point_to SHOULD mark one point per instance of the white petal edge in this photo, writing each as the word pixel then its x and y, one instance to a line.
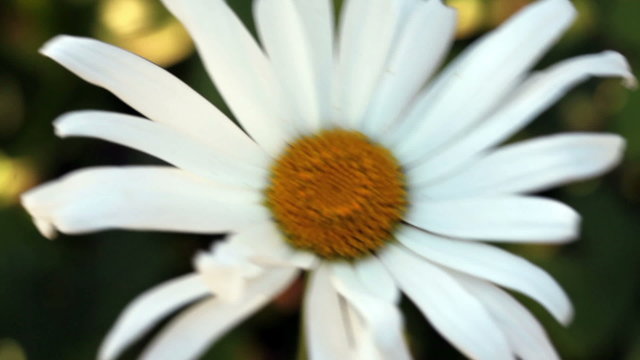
pixel 239 69
pixel 482 77
pixel 525 334
pixel 283 35
pixel 529 100
pixel 152 91
pixel 381 318
pixel 149 309
pixel 189 334
pixel 366 34
pixel 141 198
pixel 500 218
pixel 165 143
pixel 419 49
pixel 492 264
pixel 533 166
pixel 454 313
pixel 326 327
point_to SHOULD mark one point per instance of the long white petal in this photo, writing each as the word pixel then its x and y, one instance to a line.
pixel 493 264
pixel 534 165
pixel 367 31
pixel 382 320
pixel 453 311
pixel 485 74
pixel 507 218
pixel 318 21
pixel 188 335
pixel 163 142
pixel 152 91
pixel 533 97
pixel 148 309
pixel 419 49
pixel 525 334
pixel 142 198
pixel 239 68
pixel 326 327
pixel 284 37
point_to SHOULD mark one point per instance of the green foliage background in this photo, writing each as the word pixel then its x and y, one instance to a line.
pixel 58 299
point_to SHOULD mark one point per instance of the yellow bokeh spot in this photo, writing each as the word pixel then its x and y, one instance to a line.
pixel 11 350
pixel 471 16
pixel 16 176
pixel 501 10
pixel 145 28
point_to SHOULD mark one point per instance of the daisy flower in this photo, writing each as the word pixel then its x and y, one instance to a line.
pixel 354 161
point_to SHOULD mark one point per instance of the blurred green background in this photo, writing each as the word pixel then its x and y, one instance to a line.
pixel 58 299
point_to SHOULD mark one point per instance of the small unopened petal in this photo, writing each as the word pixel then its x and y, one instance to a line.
pixel 226 270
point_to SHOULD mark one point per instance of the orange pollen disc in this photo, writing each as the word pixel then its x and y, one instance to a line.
pixel 337 194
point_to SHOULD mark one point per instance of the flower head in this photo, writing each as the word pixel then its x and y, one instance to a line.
pixel 358 164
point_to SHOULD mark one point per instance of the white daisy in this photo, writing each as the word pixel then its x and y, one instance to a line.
pixel 355 166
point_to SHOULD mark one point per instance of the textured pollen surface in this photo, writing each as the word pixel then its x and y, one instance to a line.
pixel 337 194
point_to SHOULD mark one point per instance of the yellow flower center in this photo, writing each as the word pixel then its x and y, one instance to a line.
pixel 337 194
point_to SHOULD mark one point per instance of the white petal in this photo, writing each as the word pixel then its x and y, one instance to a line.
pixel 493 264
pixel 326 328
pixel 226 270
pixel 318 21
pixel 164 143
pixel 188 335
pixel 376 279
pixel 367 30
pixel 382 320
pixel 418 51
pixel 455 313
pixel 148 309
pixel 152 91
pixel 510 218
pixel 239 68
pixel 526 336
pixel 472 86
pixel 141 198
pixel 539 92
pixel 265 245
pixel 534 165
pixel 284 37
